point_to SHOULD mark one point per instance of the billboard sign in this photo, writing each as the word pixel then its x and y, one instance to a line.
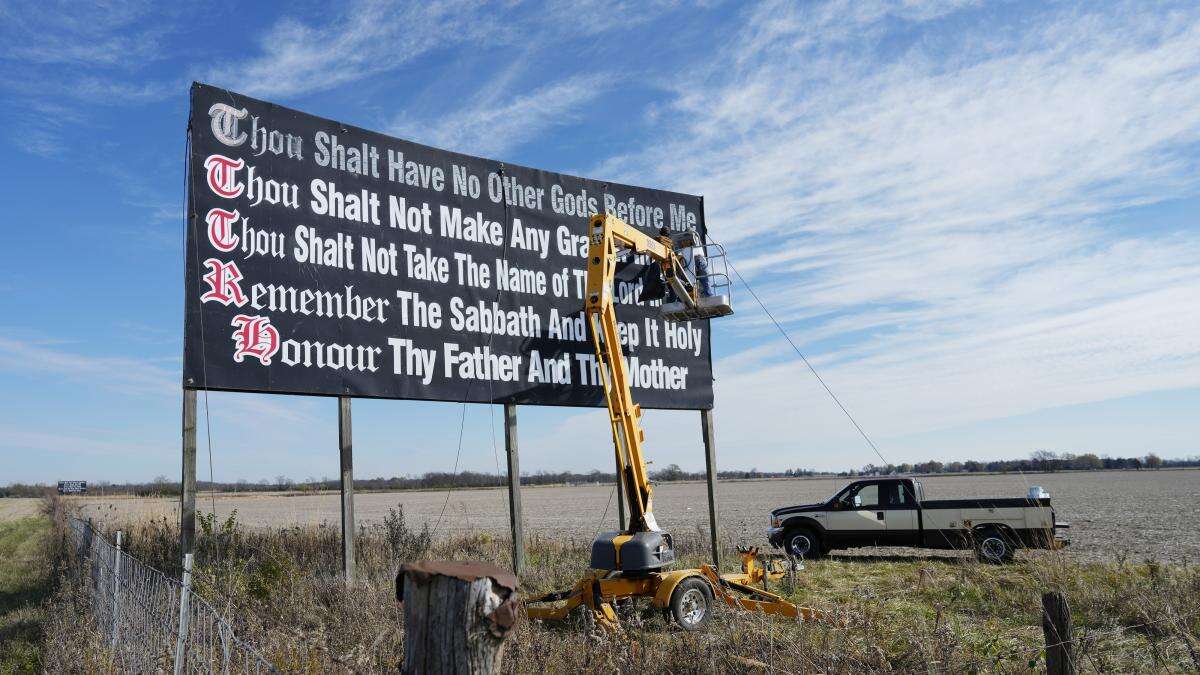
pixel 72 487
pixel 327 259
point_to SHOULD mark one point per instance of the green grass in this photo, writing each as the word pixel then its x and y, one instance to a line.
pixel 25 582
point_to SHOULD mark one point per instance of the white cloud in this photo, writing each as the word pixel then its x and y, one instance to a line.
pixel 931 203
pixel 74 444
pixel 249 431
pixel 494 122
pixel 370 37
pixel 124 374
pixel 82 34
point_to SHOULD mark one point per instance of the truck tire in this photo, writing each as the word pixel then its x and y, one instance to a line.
pixel 691 604
pixel 994 546
pixel 803 543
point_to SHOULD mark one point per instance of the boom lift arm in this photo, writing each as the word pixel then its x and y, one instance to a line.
pixel 630 564
pixel 607 236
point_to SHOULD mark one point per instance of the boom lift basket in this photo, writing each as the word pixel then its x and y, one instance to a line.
pixel 710 274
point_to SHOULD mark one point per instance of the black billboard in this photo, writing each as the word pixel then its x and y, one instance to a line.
pixel 72 487
pixel 327 259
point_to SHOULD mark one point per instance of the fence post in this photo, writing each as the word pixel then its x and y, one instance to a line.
pixel 1056 627
pixel 184 596
pixel 116 603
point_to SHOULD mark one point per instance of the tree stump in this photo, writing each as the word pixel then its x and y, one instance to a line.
pixel 456 616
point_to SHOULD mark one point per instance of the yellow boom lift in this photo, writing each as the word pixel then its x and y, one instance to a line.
pixel 634 563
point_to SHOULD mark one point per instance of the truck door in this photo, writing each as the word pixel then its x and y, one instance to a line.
pixel 899 506
pixel 857 519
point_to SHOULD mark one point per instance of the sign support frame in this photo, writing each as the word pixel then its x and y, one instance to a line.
pixel 710 465
pixel 187 483
pixel 346 453
pixel 515 515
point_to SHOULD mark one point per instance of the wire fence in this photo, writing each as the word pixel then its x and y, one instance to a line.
pixel 152 622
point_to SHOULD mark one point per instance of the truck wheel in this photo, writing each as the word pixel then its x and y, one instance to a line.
pixel 691 604
pixel 803 543
pixel 994 547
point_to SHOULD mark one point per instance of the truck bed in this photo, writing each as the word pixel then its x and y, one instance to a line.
pixel 984 503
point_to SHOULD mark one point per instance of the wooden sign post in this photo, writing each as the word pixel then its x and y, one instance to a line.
pixel 187 481
pixel 346 452
pixel 514 487
pixel 710 465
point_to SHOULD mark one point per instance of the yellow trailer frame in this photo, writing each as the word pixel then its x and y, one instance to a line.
pixel 600 589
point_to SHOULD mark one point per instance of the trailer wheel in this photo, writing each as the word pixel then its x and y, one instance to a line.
pixel 803 543
pixel 691 604
pixel 992 546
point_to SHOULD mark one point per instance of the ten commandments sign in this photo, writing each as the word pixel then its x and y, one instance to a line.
pixel 327 259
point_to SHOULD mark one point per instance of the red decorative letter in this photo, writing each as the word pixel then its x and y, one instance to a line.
pixel 254 336
pixel 223 284
pixel 222 175
pixel 220 233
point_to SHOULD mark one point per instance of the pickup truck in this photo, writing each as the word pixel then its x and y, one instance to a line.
pixel 894 512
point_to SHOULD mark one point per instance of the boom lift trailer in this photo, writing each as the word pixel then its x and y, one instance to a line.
pixel 633 563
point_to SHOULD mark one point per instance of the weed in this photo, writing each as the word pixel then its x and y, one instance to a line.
pixel 282 589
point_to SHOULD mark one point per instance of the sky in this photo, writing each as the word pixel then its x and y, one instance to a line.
pixel 979 221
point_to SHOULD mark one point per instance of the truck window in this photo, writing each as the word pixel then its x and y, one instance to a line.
pixel 895 495
pixel 867 497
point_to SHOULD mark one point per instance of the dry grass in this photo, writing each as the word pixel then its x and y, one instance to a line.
pixel 905 614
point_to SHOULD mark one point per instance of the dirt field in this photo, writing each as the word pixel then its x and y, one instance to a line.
pixel 1141 514
pixel 17 508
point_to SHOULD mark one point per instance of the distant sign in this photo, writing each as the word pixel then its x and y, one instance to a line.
pixel 72 487
pixel 327 259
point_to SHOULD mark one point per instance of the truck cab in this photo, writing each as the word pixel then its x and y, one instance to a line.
pixel 894 512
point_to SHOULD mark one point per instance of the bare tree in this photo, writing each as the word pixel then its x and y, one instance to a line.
pixel 1045 460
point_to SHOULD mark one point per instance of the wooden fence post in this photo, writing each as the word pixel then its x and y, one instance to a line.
pixel 1056 627
pixel 456 616
pixel 116 600
pixel 185 614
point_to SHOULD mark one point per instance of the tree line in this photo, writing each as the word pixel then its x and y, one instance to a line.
pixel 1039 461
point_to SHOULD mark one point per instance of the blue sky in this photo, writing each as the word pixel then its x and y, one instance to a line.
pixel 979 220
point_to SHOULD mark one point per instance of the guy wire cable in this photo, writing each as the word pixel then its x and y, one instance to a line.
pixel 187 187
pixel 803 358
pixel 491 337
